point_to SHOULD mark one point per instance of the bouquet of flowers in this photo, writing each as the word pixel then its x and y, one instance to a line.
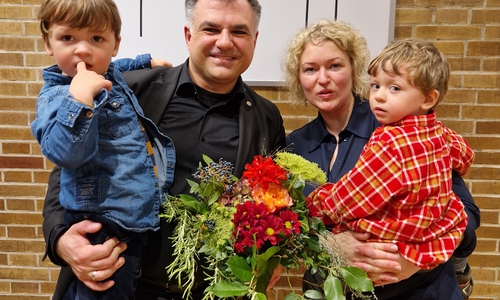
pixel 245 228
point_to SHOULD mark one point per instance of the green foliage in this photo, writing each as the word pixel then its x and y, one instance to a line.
pixel 333 288
pixel 312 294
pixel 356 279
pixel 226 289
pixel 240 268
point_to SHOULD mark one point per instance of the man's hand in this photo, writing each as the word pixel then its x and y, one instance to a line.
pixel 84 258
pixel 155 62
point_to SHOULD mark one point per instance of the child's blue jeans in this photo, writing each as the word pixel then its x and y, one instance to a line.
pixel 125 277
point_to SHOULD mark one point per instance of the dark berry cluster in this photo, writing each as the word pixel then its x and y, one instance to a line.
pixel 221 172
pixel 210 224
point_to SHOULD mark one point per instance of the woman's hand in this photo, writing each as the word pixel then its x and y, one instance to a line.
pixel 382 266
pixel 381 261
pixel 85 259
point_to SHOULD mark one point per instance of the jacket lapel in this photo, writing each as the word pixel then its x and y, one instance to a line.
pixel 155 100
pixel 246 134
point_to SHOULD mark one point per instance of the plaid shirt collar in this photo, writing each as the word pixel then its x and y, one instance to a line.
pixel 417 121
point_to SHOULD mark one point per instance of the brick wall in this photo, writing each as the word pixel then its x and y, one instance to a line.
pixel 467 31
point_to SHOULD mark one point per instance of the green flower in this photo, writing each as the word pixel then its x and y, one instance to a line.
pixel 300 166
pixel 219 227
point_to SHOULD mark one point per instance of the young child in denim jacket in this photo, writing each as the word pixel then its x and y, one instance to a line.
pixel 116 165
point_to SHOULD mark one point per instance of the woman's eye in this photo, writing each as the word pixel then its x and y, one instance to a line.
pixel 335 66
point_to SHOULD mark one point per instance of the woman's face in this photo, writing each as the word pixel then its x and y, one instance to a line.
pixel 325 74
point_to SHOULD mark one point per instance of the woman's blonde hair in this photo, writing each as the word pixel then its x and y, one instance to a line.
pixel 426 66
pixel 347 39
pixel 96 14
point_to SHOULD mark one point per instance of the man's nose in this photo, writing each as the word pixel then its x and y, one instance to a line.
pixel 224 40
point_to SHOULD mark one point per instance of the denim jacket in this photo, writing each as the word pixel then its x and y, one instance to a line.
pixel 105 164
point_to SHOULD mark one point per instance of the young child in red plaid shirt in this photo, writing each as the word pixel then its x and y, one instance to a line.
pixel 400 188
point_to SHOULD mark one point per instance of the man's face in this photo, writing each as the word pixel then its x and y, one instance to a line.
pixel 221 43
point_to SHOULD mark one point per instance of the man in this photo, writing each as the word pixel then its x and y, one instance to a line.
pixel 205 108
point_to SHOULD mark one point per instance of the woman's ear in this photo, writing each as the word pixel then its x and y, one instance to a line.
pixel 430 100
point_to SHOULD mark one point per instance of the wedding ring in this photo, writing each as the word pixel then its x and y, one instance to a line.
pixel 93 275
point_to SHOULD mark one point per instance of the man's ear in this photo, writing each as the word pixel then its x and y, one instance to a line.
pixel 255 40
pixel 187 36
pixel 430 100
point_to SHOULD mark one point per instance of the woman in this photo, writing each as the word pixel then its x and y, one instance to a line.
pixel 326 67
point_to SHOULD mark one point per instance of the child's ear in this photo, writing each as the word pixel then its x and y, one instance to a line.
pixel 47 46
pixel 430 100
pixel 117 46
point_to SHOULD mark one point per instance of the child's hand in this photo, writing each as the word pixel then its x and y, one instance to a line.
pixel 87 84
pixel 160 62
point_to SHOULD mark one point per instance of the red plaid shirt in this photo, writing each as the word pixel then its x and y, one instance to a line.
pixel 400 190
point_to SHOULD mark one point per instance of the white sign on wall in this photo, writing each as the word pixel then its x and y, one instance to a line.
pixel 156 27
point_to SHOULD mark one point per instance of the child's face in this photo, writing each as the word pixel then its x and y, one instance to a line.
pixel 69 46
pixel 393 97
